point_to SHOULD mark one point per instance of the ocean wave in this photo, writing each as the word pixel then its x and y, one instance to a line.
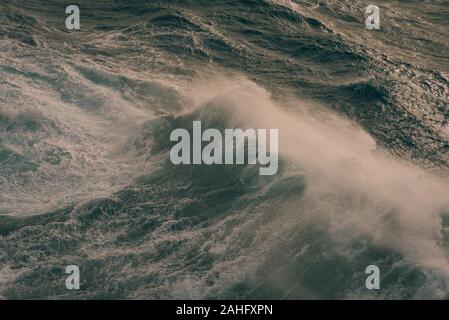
pixel 85 119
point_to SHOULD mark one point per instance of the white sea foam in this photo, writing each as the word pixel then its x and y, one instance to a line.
pixel 360 187
pixel 91 132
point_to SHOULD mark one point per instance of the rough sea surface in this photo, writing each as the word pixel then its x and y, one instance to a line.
pixel 85 176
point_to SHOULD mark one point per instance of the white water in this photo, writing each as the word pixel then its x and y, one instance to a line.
pixel 358 186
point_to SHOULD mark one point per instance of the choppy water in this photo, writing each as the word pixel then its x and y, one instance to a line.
pixel 85 118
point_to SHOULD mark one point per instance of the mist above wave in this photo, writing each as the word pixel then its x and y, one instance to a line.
pixel 359 186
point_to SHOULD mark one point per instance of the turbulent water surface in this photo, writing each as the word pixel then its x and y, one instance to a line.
pixel 85 119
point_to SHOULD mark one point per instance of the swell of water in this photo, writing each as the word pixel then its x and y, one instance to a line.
pixel 85 119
